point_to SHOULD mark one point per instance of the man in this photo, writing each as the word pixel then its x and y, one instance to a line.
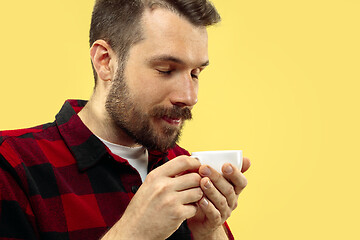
pixel 102 169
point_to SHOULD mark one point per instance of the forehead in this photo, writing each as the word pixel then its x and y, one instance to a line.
pixel 167 33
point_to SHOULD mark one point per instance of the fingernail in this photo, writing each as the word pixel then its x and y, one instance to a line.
pixel 228 169
pixel 207 184
pixel 204 202
pixel 205 171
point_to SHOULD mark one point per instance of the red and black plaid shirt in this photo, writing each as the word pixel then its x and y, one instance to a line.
pixel 59 181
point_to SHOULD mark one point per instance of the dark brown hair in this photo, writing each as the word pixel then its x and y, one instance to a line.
pixel 118 21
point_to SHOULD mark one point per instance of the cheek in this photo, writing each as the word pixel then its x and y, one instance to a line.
pixel 151 93
pixel 147 88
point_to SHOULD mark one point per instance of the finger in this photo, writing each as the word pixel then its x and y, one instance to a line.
pixel 188 171
pixel 224 203
pixel 212 214
pixel 186 181
pixel 189 196
pixel 188 211
pixel 246 164
pixel 178 165
pixel 226 188
pixel 233 175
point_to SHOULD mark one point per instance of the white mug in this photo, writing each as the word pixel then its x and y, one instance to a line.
pixel 216 159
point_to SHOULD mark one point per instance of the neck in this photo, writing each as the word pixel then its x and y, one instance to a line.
pixel 96 118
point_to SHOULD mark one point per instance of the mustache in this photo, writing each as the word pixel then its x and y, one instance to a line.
pixel 174 112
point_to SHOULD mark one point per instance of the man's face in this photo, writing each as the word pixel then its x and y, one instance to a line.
pixel 153 95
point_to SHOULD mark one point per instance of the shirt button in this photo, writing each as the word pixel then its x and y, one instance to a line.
pixel 134 189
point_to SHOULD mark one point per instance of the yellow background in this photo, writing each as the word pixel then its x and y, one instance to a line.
pixel 283 86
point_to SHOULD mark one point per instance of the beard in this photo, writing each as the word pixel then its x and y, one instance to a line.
pixel 136 123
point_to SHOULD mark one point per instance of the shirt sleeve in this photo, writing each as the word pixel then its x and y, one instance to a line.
pixel 17 220
pixel 228 231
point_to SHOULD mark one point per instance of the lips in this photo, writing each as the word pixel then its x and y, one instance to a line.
pixel 172 121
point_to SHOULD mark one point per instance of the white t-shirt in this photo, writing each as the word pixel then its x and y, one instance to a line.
pixel 137 156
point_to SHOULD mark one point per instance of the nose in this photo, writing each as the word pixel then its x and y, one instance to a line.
pixel 185 92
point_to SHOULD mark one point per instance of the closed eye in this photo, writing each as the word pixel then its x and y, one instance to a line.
pixel 164 72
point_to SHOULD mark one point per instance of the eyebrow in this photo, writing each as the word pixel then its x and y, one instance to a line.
pixel 170 58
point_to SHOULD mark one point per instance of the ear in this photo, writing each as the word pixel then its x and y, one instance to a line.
pixel 104 60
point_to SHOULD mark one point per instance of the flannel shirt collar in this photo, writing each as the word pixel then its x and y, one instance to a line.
pixel 86 148
pixel 83 144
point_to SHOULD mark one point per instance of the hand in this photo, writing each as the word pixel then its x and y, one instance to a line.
pixel 166 199
pixel 221 196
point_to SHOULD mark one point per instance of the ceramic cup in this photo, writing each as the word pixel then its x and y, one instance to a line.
pixel 216 159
